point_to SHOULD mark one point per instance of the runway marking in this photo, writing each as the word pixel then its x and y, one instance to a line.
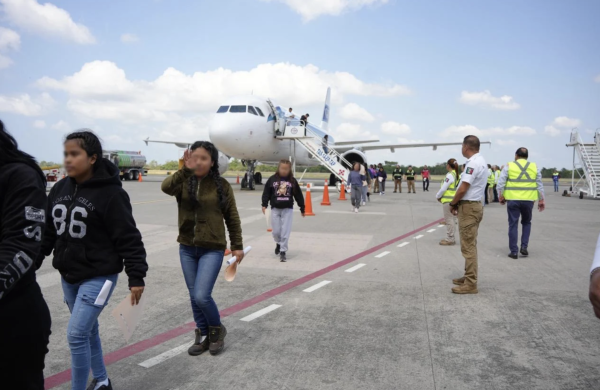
pixel 430 230
pixel 152 201
pixel 164 356
pixel 260 313
pixel 358 266
pixel 419 236
pixel 352 212
pixel 403 244
pixel 441 226
pixel 143 345
pixel 317 286
pixel 382 254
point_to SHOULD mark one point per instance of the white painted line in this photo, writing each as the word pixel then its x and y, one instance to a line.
pixel 355 267
pixel 403 244
pixel 419 236
pixel 164 356
pixel 317 286
pixel 430 230
pixel 441 226
pixel 261 312
pixel 379 256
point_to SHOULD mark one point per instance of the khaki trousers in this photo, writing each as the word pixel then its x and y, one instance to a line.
pixel 376 180
pixel 451 222
pixel 469 218
pixel 397 185
pixel 411 185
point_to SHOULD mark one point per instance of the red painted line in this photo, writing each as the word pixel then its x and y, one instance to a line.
pixel 130 350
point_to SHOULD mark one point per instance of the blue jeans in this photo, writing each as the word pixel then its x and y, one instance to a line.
pixel 82 331
pixel 555 186
pixel 200 270
pixel 519 209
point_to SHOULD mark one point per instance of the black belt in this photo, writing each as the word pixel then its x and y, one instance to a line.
pixel 469 201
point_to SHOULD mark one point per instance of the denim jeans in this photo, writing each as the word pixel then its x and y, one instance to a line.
pixel 82 331
pixel 555 186
pixel 519 209
pixel 200 270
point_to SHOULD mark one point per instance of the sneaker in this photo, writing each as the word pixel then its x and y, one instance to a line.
pixel 277 249
pixel 524 252
pixel 282 257
pixel 459 281
pixel 383 193
pixel 356 210
pixel 447 243
pixel 92 385
pixel 395 192
pixel 364 203
pixel 216 338
pixel 199 347
pixel 465 289
pixel 513 256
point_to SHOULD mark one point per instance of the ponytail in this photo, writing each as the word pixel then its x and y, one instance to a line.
pixel 454 164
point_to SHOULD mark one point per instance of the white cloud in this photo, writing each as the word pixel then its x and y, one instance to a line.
pixel 311 9
pixel 552 131
pixel 506 142
pixel 353 111
pixel 5 62
pixel 485 99
pixel 395 128
pixel 24 104
pixel 39 124
pixel 597 79
pixel 102 90
pixel 9 39
pixel 45 19
pixel 129 38
pixel 410 141
pixel 61 126
pixel 351 131
pixel 462 131
pixel 563 121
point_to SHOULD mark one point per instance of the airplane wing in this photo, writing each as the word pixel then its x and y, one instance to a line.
pixel 343 143
pixel 183 145
pixel 393 147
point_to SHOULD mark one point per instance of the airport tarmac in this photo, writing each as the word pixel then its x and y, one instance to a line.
pixel 363 302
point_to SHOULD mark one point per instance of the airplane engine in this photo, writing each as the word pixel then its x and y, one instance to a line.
pixel 354 155
pixel 223 163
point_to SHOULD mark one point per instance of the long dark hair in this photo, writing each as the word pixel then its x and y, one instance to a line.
pixel 89 142
pixel 10 153
pixel 213 173
pixel 454 164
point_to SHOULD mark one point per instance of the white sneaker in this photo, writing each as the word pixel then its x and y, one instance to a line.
pixel 364 203
pixel 356 210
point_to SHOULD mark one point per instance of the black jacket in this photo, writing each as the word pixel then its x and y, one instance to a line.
pixel 22 221
pixel 281 193
pixel 92 231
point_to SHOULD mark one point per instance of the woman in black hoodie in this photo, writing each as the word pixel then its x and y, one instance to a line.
pixel 93 234
pixel 24 315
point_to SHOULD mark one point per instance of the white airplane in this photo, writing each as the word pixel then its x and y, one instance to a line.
pixel 253 130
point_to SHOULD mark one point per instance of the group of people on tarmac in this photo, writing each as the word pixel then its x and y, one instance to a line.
pixel 86 222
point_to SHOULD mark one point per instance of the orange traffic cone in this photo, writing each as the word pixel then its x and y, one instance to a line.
pixel 238 179
pixel 326 201
pixel 342 192
pixel 140 177
pixel 308 207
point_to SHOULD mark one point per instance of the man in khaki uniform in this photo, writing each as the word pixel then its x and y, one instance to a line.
pixel 467 205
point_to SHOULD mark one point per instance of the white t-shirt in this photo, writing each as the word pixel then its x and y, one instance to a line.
pixel 476 174
pixel 447 182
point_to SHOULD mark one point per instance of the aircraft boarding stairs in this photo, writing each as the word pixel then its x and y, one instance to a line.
pixel 313 143
pixel 586 157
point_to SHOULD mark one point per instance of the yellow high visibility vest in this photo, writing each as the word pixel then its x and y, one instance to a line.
pixel 521 182
pixel 451 191
pixel 491 177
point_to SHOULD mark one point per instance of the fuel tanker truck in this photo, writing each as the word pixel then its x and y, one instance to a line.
pixel 130 164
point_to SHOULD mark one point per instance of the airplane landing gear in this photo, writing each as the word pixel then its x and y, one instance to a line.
pixel 250 177
pixel 258 178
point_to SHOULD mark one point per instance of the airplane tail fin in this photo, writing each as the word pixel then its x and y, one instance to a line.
pixel 325 121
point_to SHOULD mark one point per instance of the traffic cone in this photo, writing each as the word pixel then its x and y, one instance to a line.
pixel 326 201
pixel 140 177
pixel 238 179
pixel 342 192
pixel 308 207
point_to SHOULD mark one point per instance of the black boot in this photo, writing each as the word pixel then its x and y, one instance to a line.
pixel 277 249
pixel 199 347
pixel 282 257
pixel 216 336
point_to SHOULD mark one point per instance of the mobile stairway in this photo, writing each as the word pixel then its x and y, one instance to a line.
pixel 586 164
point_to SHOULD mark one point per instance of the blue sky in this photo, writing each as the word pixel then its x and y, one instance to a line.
pixel 517 73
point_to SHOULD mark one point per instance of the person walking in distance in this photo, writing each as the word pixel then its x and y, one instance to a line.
pixel 280 191
pixel 489 186
pixel 425 176
pixel 93 236
pixel 397 174
pixel 374 172
pixel 467 205
pixel 355 181
pixel 205 203
pixel 24 315
pixel 555 179
pixel 366 183
pixel 445 196
pixel 496 170
pixel 410 179
pixel 519 186
pixel 381 177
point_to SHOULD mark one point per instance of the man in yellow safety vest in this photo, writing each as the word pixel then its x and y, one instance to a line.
pixel 520 185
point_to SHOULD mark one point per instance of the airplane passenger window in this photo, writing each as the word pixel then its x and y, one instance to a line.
pixel 222 109
pixel 237 109
pixel 259 111
pixel 251 110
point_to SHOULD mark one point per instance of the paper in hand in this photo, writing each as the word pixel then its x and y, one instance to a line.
pixel 128 317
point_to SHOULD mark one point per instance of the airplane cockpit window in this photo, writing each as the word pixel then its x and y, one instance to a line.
pixel 259 111
pixel 237 109
pixel 251 110
pixel 222 109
